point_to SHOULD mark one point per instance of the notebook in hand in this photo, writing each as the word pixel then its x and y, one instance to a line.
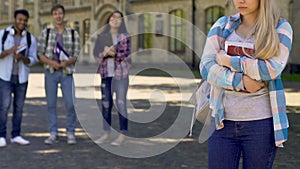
pixel 236 48
pixel 60 52
pixel 21 49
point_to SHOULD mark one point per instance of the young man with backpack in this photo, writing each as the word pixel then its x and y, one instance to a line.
pixel 54 43
pixel 17 52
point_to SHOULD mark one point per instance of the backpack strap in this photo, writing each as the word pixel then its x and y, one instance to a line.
pixel 47 38
pixel 72 34
pixel 4 37
pixel 73 40
pixel 28 37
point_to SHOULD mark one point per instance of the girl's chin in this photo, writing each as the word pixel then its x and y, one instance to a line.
pixel 115 26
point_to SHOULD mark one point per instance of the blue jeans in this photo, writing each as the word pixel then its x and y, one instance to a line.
pixel 68 91
pixel 251 140
pixel 19 92
pixel 120 87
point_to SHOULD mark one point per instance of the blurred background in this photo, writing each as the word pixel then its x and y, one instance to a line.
pixel 148 29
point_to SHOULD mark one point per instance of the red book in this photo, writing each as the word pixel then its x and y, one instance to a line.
pixel 239 48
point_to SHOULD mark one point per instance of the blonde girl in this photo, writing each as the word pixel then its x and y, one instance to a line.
pixel 247 96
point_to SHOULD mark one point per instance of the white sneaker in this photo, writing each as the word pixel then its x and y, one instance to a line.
pixel 20 140
pixel 2 142
pixel 103 139
pixel 119 140
pixel 71 139
pixel 51 139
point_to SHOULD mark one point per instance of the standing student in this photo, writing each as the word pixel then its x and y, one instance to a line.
pixel 17 52
pixel 112 49
pixel 59 71
pixel 247 96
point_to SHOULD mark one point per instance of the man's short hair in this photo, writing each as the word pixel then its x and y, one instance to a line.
pixel 21 11
pixel 57 6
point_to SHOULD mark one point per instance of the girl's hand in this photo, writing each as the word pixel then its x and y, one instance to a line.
pixel 112 51
pixel 113 48
pixel 252 85
pixel 106 50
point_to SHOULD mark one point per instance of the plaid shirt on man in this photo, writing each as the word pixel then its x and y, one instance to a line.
pixel 121 56
pixel 262 70
pixel 72 48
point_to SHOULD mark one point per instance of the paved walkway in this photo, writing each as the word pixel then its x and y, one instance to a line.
pixel 146 94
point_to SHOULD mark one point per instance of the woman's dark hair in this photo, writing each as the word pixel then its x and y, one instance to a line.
pixel 57 6
pixel 21 11
pixel 122 28
pixel 104 38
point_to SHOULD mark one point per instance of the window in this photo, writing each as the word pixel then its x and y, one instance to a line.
pixel 18 4
pixel 177 31
pixel 211 15
pixel 5 7
pixel 145 38
pixel 74 25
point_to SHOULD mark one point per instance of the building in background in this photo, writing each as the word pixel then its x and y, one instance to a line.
pixel 148 22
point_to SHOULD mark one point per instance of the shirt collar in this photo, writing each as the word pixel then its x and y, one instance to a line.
pixel 66 29
pixel 235 17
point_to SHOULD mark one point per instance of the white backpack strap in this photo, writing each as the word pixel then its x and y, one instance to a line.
pixel 193 122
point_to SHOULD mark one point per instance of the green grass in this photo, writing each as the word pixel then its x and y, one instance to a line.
pixel 291 77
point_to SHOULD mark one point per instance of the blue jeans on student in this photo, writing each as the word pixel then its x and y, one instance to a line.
pixel 120 87
pixel 19 92
pixel 251 140
pixel 68 91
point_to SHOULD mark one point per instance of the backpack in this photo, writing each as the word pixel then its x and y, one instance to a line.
pixel 4 37
pixel 200 100
pixel 47 38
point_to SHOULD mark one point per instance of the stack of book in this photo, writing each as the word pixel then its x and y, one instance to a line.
pixel 239 49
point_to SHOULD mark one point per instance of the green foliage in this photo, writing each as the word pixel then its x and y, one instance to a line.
pixel 291 77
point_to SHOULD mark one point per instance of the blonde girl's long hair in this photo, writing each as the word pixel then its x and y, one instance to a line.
pixel 267 40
